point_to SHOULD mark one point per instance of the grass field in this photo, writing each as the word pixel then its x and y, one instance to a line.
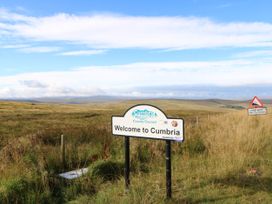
pixel 226 157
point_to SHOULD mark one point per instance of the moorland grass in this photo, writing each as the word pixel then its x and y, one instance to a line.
pixel 226 157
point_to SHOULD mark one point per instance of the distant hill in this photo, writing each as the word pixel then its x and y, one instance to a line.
pixel 79 100
pixel 235 104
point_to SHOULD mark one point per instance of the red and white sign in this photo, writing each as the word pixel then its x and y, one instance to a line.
pixel 256 107
pixel 256 103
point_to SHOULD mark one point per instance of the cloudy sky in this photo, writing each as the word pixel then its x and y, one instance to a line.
pixel 156 48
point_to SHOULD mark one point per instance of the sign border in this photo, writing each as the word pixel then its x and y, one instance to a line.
pixel 121 116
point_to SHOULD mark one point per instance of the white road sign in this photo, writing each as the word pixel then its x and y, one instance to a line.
pixel 257 111
pixel 147 121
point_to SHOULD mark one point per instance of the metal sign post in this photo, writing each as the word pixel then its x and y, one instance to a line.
pixel 146 121
pixel 127 163
pixel 168 169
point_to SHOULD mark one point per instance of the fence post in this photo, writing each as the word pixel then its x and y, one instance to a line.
pixel 62 148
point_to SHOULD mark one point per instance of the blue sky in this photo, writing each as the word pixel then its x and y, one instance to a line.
pixel 84 48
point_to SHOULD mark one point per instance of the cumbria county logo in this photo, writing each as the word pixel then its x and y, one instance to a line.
pixel 143 114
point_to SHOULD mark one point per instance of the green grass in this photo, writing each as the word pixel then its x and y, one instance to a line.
pixel 227 158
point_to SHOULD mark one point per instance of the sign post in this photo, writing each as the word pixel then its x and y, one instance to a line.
pixel 256 107
pixel 168 169
pixel 127 163
pixel 147 121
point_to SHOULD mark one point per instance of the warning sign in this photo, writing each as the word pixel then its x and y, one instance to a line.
pixel 256 103
pixel 256 107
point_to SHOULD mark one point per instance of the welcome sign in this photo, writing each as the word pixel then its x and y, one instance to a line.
pixel 148 121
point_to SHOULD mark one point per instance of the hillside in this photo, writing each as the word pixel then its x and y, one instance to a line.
pixel 226 156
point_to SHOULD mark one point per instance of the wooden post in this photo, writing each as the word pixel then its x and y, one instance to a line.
pixel 62 148
pixel 197 121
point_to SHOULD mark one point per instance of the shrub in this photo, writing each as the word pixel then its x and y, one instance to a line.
pixel 195 146
pixel 14 191
pixel 108 170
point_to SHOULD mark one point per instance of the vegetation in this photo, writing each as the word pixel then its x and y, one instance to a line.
pixel 226 157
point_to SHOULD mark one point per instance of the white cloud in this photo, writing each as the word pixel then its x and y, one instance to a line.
pixel 108 31
pixel 39 49
pixel 6 15
pixel 258 53
pixel 122 79
pixel 33 84
pixel 13 46
pixel 83 52
pixel 26 48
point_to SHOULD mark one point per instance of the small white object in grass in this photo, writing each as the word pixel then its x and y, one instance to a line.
pixel 74 174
